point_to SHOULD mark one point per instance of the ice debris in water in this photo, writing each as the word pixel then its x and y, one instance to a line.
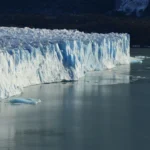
pixel 136 60
pixel 34 56
pixel 142 57
pixel 30 101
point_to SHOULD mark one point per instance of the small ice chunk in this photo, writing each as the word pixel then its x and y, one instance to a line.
pixel 30 101
pixel 136 60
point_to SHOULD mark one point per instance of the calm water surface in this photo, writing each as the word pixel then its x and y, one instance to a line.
pixel 107 110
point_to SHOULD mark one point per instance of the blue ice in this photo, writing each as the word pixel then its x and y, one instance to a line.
pixel 30 101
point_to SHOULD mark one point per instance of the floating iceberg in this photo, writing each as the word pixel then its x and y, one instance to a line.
pixel 25 101
pixel 34 56
pixel 136 60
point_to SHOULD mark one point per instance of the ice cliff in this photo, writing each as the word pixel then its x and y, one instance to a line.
pixel 34 56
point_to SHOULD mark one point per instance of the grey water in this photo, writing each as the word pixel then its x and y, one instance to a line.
pixel 108 110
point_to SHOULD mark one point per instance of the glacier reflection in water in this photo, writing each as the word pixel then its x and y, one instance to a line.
pixel 117 75
pixel 73 115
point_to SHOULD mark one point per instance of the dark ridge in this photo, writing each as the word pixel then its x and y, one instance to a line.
pixel 57 6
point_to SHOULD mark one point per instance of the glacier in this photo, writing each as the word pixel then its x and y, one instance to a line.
pixel 34 56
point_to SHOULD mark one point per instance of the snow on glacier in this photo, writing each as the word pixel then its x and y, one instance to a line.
pixel 130 6
pixel 34 56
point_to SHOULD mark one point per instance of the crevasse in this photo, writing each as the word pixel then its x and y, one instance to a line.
pixel 34 56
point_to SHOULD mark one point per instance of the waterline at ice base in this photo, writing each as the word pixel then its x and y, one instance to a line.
pixel 35 56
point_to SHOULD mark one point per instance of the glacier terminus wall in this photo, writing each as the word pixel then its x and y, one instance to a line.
pixel 34 56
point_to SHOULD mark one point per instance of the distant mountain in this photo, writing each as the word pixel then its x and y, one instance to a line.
pixel 111 7
pixel 102 16
pixel 57 6
pixel 129 7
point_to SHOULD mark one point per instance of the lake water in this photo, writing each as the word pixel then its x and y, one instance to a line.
pixel 107 110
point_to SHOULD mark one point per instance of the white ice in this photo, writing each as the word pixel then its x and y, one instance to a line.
pixel 34 56
pixel 136 60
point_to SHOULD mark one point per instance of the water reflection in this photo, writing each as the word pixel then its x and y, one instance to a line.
pixel 118 75
pixel 72 116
